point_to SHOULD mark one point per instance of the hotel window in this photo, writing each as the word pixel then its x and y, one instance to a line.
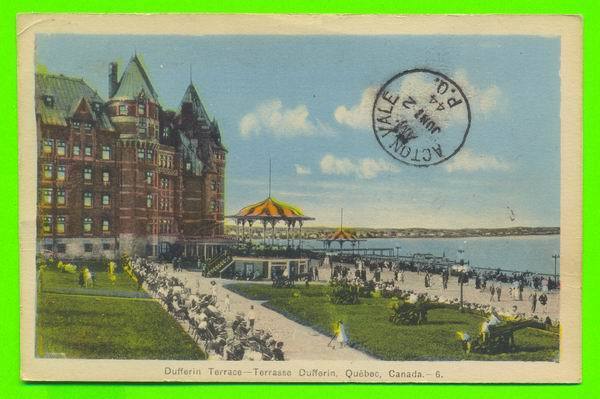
pixel 105 225
pixel 47 224
pixel 87 247
pixel 87 227
pixel 87 199
pixel 105 246
pixel 61 148
pixel 87 126
pixel 88 151
pixel 76 150
pixel 60 225
pixel 60 173
pixel 122 109
pixel 106 177
pixel 47 196
pixel 149 176
pixel 213 185
pixel 164 182
pixel 213 206
pixel 188 166
pixel 149 154
pixel 60 197
pixel 169 162
pixel 48 144
pixel 149 201
pixel 141 109
pixel 75 124
pixel 61 248
pixel 106 152
pixel 142 125
pixel 141 153
pixel 105 199
pixel 47 171
pixel 87 174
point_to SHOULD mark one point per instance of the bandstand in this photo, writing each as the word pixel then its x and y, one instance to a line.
pixel 269 260
pixel 342 236
pixel 267 214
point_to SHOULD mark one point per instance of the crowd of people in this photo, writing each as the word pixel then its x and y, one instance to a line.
pixel 367 275
pixel 479 276
pixel 206 322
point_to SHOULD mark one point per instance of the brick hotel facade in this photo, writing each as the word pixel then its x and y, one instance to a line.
pixel 126 175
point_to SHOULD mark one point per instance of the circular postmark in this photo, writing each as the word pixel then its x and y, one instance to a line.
pixel 421 117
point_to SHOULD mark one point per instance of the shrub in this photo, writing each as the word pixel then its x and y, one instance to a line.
pixel 343 293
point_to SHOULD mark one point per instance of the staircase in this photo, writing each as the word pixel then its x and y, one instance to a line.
pixel 217 264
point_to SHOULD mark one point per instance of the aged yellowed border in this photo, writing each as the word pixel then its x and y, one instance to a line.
pixel 568 28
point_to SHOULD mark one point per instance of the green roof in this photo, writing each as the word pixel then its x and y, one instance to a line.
pixel 67 93
pixel 135 81
pixel 191 96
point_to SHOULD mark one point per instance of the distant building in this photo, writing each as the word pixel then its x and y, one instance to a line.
pixel 126 175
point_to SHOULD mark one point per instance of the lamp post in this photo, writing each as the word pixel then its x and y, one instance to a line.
pixel 462 281
pixel 555 256
pixel 398 252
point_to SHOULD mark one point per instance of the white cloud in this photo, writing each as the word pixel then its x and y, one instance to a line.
pixel 483 100
pixel 302 170
pixel 467 161
pixel 359 115
pixel 365 168
pixel 273 118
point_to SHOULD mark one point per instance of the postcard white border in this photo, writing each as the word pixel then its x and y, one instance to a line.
pixel 568 28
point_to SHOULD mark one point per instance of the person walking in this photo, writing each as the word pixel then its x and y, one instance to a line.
pixel 498 292
pixel 533 298
pixel 543 300
pixel 521 288
pixel 213 289
pixel 227 304
pixel 251 317
pixel 492 292
pixel 340 335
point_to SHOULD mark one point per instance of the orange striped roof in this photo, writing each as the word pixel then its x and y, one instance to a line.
pixel 271 208
pixel 342 235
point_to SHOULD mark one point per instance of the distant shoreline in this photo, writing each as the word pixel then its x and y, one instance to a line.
pixel 321 233
pixel 452 237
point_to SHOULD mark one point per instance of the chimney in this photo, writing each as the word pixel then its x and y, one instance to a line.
pixel 112 79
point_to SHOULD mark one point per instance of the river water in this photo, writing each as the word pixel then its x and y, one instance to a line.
pixel 522 253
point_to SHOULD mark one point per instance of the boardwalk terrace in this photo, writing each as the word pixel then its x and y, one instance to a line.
pixel 126 175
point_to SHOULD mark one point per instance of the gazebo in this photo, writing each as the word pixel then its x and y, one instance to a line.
pixel 269 213
pixel 342 236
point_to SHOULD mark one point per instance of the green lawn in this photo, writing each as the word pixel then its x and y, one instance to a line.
pixel 369 329
pixel 56 279
pixel 97 327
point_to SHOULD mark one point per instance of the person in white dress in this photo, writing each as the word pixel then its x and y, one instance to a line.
pixel 340 335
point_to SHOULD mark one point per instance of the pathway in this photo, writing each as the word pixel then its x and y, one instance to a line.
pixel 300 342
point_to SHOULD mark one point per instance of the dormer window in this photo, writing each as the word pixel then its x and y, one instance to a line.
pixel 141 109
pixel 96 106
pixel 122 109
pixel 49 100
pixel 87 126
pixel 75 124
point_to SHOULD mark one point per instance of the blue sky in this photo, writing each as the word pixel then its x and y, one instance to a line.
pixel 305 103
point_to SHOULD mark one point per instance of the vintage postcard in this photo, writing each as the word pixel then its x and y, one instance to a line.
pixel 300 198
